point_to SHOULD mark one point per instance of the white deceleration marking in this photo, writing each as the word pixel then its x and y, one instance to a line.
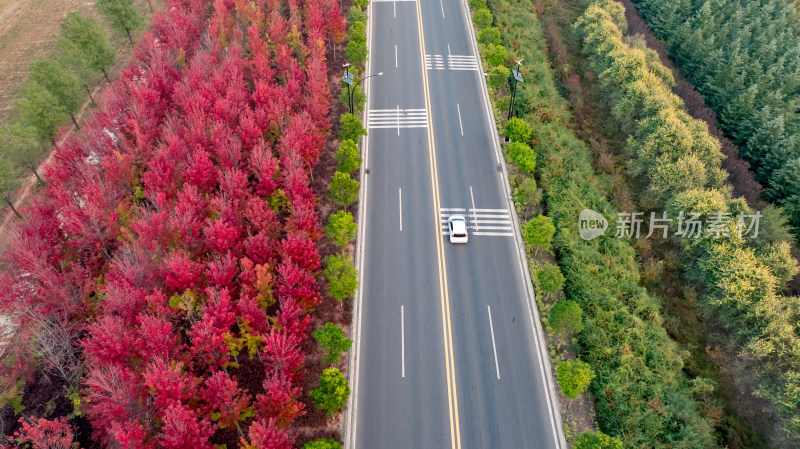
pixel 494 347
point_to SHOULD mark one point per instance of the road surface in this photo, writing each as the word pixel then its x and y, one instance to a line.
pixel 447 352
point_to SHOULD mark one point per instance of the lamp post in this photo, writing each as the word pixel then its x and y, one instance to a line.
pixel 356 86
pixel 348 78
pixel 517 78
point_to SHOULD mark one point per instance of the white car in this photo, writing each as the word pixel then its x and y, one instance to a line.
pixel 457 226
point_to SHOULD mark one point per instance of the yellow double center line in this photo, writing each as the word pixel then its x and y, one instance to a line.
pixel 452 395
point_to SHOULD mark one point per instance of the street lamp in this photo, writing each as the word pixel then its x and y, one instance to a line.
pixel 517 78
pixel 356 86
pixel 348 78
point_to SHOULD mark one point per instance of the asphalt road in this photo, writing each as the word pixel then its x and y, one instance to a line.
pixel 447 355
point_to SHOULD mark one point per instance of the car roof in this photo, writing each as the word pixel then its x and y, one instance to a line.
pixel 460 225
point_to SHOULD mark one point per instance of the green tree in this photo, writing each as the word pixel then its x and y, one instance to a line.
pixel 566 317
pixel 574 376
pixel 22 146
pixel 61 82
pixel 348 157
pixel 41 109
pixel 355 15
pixel 359 97
pixel 774 226
pixel 322 444
pixel 343 189
pixel 341 228
pixel 489 35
pixel 669 178
pixel 737 282
pixel 778 257
pixel 85 40
pixel 361 4
pixel 499 76
pixel 496 55
pixel 523 156
pixel 518 130
pixel 332 393
pixel 538 232
pixel 477 4
pixel 596 440
pixel 120 15
pixel 351 128
pixel 482 18
pixel 9 183
pixel 549 279
pixel 342 276
pixel 356 51
pixel 332 339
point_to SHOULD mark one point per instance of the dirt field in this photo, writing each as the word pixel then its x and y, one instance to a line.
pixel 28 29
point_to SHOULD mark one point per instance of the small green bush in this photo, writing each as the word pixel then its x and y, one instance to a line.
pixel 342 276
pixel 538 232
pixel 596 440
pixel 496 55
pixel 566 317
pixel 482 18
pixel 348 157
pixel 574 376
pixel 323 444
pixel 332 339
pixel 550 279
pixel 498 77
pixel 343 189
pixel 489 35
pixel 517 130
pixel 332 393
pixel 341 228
pixel 351 128
pixel 523 156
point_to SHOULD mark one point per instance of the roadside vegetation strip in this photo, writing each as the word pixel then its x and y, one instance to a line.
pixel 742 278
pixel 166 274
pixel 643 397
pixel 743 58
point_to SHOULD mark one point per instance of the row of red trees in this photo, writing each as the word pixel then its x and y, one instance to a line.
pixel 169 265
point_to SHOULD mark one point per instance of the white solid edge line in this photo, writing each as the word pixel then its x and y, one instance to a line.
pixel 538 333
pixel 350 422
pixel 494 347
